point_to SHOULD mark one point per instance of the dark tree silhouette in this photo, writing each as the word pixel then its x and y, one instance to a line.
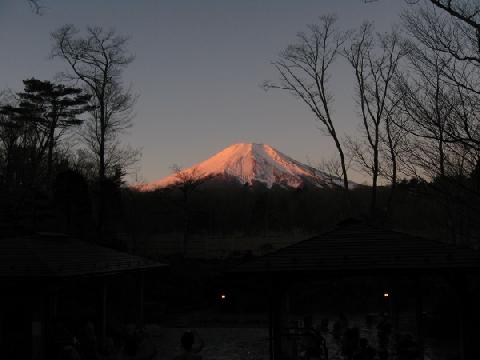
pixel 10 135
pixel 188 182
pixel 304 71
pixel 33 127
pixel 35 5
pixel 444 93
pixel 375 60
pixel 54 108
pixel 72 201
pixel 98 59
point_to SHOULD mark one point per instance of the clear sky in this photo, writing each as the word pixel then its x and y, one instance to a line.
pixel 197 70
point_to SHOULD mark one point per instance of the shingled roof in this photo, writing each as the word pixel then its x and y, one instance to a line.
pixel 356 246
pixel 54 256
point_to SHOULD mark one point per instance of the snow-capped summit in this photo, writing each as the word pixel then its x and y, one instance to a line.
pixel 249 163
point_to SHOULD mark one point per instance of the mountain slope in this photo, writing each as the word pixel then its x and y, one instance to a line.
pixel 249 163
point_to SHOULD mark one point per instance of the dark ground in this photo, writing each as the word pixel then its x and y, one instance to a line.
pixel 232 337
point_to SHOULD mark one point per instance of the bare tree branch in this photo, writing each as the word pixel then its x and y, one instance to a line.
pixel 304 72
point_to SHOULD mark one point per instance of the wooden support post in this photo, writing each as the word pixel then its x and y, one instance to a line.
pixel 37 335
pixel 276 323
pixel 419 316
pixel 464 319
pixel 51 318
pixel 55 304
pixel 461 331
pixel 270 319
pixel 284 323
pixel 103 318
pixel 279 320
pixel 3 307
pixel 38 319
pixel 394 309
pixel 1 325
pixel 141 285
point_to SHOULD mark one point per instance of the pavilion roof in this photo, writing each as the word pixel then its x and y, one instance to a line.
pixel 357 246
pixel 54 256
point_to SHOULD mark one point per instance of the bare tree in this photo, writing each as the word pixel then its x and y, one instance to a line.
pixel 446 47
pixel 467 12
pixel 375 60
pixel 10 137
pixel 97 60
pixel 396 151
pixel 304 71
pixel 328 172
pixel 427 102
pixel 454 36
pixel 111 152
pixel 35 5
pixel 444 55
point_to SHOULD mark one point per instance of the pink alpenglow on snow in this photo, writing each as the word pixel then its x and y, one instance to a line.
pixel 250 163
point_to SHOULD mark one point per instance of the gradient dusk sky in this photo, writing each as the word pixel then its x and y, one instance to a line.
pixel 197 70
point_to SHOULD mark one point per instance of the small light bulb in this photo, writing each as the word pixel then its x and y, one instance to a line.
pixel 386 295
pixel 223 296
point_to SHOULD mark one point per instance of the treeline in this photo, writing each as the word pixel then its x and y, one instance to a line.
pixel 417 95
pixel 233 209
pixel 62 160
pixel 226 209
pixel 416 92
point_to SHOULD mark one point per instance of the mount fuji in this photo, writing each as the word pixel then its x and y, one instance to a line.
pixel 249 163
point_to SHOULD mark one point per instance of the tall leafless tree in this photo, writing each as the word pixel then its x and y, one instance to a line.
pixel 447 33
pixel 427 102
pixel 375 60
pixel 453 35
pixel 445 53
pixel 97 59
pixel 304 71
